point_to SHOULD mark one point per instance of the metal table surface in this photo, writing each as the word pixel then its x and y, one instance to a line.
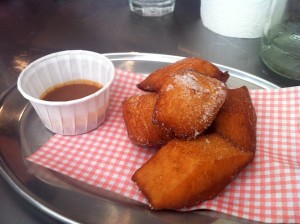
pixel 30 29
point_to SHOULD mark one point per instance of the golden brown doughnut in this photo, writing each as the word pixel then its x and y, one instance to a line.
pixel 137 113
pixel 236 119
pixel 185 172
pixel 154 81
pixel 187 103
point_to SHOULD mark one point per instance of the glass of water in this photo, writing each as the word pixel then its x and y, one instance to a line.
pixel 152 7
pixel 280 43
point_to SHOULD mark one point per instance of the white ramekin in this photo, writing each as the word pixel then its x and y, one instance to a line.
pixel 68 117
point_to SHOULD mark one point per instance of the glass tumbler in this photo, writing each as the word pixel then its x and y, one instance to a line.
pixel 280 43
pixel 152 7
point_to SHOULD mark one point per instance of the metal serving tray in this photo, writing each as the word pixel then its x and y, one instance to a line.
pixel 69 200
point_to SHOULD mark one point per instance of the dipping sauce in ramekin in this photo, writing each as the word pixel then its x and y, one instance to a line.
pixel 69 116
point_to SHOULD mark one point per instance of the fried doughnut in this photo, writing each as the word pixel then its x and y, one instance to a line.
pixel 154 81
pixel 188 103
pixel 137 113
pixel 185 172
pixel 236 119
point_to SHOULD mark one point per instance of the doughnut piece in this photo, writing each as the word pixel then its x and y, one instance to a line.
pixel 137 113
pixel 185 172
pixel 155 80
pixel 187 103
pixel 236 119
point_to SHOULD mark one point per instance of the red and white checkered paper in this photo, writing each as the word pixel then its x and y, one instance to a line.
pixel 268 190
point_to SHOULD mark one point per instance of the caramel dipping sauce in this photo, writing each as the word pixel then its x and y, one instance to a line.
pixel 71 90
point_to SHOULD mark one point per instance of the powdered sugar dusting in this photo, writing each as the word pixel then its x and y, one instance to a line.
pixel 216 99
pixel 169 87
pixel 215 94
pixel 199 99
pixel 191 82
pixel 188 80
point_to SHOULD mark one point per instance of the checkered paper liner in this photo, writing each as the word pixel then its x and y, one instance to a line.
pixel 268 190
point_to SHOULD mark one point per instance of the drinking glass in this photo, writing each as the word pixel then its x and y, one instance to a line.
pixel 152 7
pixel 280 43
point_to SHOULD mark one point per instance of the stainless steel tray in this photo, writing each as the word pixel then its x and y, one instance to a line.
pixel 71 201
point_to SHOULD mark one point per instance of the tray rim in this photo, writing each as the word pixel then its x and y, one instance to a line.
pixel 172 58
pixel 11 177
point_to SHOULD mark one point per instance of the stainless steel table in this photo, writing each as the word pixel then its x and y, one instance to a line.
pixel 33 28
